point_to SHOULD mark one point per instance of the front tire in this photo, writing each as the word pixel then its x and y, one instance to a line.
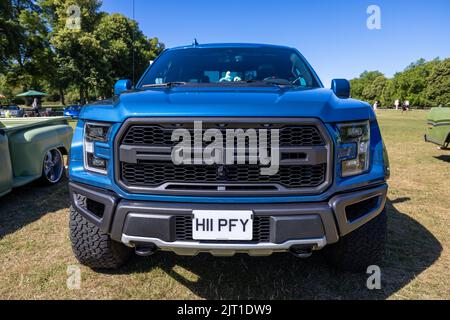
pixel 94 248
pixel 361 248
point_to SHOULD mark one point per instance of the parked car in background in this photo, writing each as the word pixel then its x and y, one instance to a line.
pixel 32 149
pixel 11 111
pixel 72 111
pixel 439 126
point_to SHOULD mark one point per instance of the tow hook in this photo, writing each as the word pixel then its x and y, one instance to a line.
pixel 301 251
pixel 145 251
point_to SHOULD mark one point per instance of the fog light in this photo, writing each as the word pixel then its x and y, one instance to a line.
pixel 96 163
pixel 99 163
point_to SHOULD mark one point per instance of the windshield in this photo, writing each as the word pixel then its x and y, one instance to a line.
pixel 238 66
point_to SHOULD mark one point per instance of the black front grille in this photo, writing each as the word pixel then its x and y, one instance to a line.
pixel 160 136
pixel 144 163
pixel 183 229
pixel 154 173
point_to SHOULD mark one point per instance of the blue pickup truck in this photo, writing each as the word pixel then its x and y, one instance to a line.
pixel 228 148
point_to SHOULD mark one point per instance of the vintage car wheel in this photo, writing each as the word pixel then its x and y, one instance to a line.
pixel 53 167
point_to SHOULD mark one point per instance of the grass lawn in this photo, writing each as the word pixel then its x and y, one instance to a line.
pixel 35 250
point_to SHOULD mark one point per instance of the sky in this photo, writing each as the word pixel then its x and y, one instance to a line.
pixel 331 34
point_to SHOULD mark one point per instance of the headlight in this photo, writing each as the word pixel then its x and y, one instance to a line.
pixel 95 133
pixel 353 147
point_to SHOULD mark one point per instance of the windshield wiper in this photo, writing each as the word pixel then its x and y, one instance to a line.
pixel 275 81
pixel 278 81
pixel 165 84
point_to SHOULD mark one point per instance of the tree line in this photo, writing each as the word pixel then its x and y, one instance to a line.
pixel 423 83
pixel 41 50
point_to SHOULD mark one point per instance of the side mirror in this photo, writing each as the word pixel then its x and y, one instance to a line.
pixel 121 86
pixel 341 88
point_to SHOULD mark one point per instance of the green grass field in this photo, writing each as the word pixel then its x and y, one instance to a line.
pixel 35 250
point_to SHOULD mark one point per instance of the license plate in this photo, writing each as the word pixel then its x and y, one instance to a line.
pixel 222 225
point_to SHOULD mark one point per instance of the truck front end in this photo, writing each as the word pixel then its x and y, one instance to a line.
pixel 268 161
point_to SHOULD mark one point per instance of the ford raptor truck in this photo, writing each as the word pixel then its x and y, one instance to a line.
pixel 310 173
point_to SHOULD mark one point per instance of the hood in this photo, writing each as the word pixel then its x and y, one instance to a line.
pixel 229 102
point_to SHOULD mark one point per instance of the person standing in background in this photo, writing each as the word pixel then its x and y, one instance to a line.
pixel 397 104
pixel 35 107
pixel 375 105
pixel 405 106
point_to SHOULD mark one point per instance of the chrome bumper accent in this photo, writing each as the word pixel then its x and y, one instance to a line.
pixel 192 248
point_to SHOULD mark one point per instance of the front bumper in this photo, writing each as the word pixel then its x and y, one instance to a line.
pixel 290 225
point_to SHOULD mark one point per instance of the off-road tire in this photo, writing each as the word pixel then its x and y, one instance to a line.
pixel 94 248
pixel 361 248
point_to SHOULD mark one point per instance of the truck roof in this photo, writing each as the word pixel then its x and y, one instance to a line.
pixel 229 45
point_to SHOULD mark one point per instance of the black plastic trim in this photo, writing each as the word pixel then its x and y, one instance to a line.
pixel 331 214
pixel 292 210
pixel 108 199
